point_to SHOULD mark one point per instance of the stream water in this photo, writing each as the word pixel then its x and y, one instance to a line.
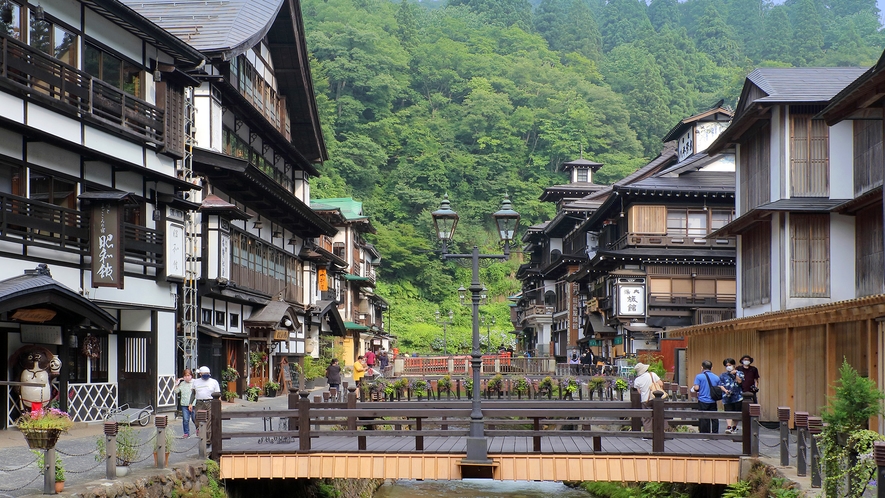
pixel 477 488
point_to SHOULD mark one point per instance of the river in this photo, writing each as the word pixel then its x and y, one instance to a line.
pixel 477 488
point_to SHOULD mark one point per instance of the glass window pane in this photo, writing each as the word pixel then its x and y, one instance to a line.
pixel 111 68
pixel 14 28
pixel 92 61
pixel 697 224
pixel 41 35
pixel 676 222
pixel 132 78
pixel 65 46
pixel 719 219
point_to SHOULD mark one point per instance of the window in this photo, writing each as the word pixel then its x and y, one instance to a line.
pixel 13 28
pixel 870 257
pixel 867 155
pixel 810 255
pixel 219 319
pixel 234 320
pixel 581 175
pixel 54 40
pixel 719 218
pixel 755 174
pixel 12 180
pixel 651 220
pixel 56 191
pixel 809 155
pixel 206 316
pixel 114 70
pixel 756 265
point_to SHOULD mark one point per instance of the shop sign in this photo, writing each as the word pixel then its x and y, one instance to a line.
pixel 105 242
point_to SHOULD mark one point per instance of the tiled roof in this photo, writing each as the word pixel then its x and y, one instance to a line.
pixel 803 84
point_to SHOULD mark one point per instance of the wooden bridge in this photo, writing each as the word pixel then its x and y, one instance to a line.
pixel 526 440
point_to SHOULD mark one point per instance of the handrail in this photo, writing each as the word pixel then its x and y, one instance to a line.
pixel 47 79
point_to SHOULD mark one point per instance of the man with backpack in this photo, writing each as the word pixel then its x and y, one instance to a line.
pixel 710 391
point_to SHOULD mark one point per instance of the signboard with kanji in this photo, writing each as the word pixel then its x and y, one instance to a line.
pixel 322 280
pixel 105 242
pixel 631 300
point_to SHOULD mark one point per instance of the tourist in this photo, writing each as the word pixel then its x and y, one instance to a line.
pixel 731 379
pixel 333 375
pixel 646 382
pixel 359 370
pixel 574 363
pixel 185 389
pixel 370 358
pixel 204 387
pixel 751 377
pixel 704 383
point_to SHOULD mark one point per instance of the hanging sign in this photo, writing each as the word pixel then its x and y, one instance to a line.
pixel 105 242
pixel 322 279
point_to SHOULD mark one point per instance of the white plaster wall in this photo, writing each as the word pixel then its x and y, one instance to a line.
pixel 724 163
pixel 161 163
pixel 113 146
pixel 113 360
pixel 556 244
pixel 66 11
pixel 98 172
pixel 54 158
pixel 54 123
pixel 129 181
pixel 135 320
pixel 842 162
pixel 777 153
pixel 166 343
pixel 12 108
pixel 10 144
pixel 148 293
pixel 113 36
pixel 843 257
pixel 202 103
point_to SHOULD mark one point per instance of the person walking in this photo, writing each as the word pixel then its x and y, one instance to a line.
pixel 185 390
pixel 646 382
pixel 587 362
pixel 574 363
pixel 370 358
pixel 731 380
pixel 384 361
pixel 333 375
pixel 751 377
pixel 704 384
pixel 203 389
pixel 359 370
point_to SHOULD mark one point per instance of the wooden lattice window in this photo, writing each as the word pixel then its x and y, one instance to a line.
pixel 651 220
pixel 809 255
pixel 756 265
pixel 755 174
pixel 868 155
pixel 809 156
pixel 870 250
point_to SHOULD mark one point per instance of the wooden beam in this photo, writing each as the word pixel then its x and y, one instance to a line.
pixel 832 361
pixel 791 369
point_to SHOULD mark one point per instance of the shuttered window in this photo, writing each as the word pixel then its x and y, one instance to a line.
pixel 870 252
pixel 651 220
pixel 809 156
pixel 868 156
pixel 755 188
pixel 756 265
pixel 809 255
pixel 173 104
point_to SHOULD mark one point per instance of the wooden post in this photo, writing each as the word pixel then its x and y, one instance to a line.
pixel 815 427
pixel 783 416
pixel 658 422
pixel 635 403
pixel 801 421
pixel 303 421
pixel 746 439
pixel 419 440
pixel 292 405
pixel 49 471
pixel 755 413
pixel 110 446
pixel 879 454
pixel 215 425
pixel 536 439
pixel 202 418
pixel 160 423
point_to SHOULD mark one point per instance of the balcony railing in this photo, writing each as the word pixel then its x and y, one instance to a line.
pixel 692 300
pixel 142 246
pixel 43 78
pixel 644 240
pixel 324 242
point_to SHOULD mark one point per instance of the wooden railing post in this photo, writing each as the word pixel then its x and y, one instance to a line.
pixel 815 427
pixel 755 414
pixel 879 455
pixel 110 446
pixel 202 419
pixel 783 416
pixel 746 434
pixel 635 403
pixel 304 421
pixel 317 400
pixel 801 422
pixel 419 440
pixel 215 425
pixel 658 422
pixel 160 422
pixel 536 439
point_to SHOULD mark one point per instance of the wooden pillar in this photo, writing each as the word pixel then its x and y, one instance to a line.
pixel 303 421
pixel 832 361
pixel 791 368
pixel 215 425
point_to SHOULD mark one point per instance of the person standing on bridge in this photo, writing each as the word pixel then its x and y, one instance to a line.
pixel 359 370
pixel 750 384
pixel 333 375
pixel 732 379
pixel 646 382
pixel 704 383
pixel 370 358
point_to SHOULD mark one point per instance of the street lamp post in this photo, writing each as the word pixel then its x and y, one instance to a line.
pixel 444 221
pixel 445 323
pixel 488 321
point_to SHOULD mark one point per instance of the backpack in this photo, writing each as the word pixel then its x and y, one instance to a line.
pixel 716 394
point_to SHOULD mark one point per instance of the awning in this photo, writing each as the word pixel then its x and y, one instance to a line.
pixel 328 310
pixel 596 325
pixel 355 278
pixel 759 213
pixel 354 326
pixel 216 332
pixel 36 294
pixel 271 316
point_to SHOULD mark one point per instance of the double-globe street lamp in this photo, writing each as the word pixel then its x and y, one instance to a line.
pixel 445 323
pixel 444 222
pixel 488 321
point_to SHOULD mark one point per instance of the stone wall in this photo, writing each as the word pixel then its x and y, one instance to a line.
pixel 146 483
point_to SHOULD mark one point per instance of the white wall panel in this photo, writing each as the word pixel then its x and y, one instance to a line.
pixel 54 123
pixel 99 172
pixel 10 142
pixel 67 11
pixel 166 343
pixel 113 36
pixel 138 291
pixel 135 320
pixel 113 146
pixel 12 108
pixel 842 162
pixel 52 157
pixel 129 181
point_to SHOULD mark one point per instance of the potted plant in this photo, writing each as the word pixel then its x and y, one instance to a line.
pixel 621 385
pixel 521 386
pixel 570 387
pixel 271 388
pixel 496 385
pixel 597 382
pixel 444 385
pixel 128 445
pixel 41 428
pixel 252 392
pixel 546 387
pixel 230 376
pixel 229 396
pixel 170 441
pixel 420 388
pixel 59 469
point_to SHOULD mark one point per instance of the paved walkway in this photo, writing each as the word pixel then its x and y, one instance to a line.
pixel 19 476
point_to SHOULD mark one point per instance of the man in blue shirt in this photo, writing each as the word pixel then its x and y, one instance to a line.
pixel 703 383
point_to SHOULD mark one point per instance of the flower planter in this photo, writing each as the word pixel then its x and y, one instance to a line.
pixel 41 439
pixel 122 470
pixel 59 486
pixel 165 462
pixel 271 393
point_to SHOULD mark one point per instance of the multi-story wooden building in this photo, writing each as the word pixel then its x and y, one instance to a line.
pixel 809 229
pixel 90 137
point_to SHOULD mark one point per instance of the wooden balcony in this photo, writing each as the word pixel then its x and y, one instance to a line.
pixel 39 77
pixel 645 240
pixel 324 242
pixel 692 300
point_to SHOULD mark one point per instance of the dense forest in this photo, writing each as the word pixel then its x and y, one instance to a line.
pixel 482 98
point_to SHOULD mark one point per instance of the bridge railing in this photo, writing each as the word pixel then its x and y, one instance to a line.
pixel 491 364
pixel 310 422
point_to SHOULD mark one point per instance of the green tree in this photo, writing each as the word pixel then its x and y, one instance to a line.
pixel 569 26
pixel 717 39
pixel 664 13
pixel 501 12
pixel 808 37
pixel 778 35
pixel 624 21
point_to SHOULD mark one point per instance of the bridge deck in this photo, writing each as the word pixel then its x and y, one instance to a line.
pixel 552 444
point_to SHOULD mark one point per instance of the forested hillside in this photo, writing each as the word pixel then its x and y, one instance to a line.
pixel 478 98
